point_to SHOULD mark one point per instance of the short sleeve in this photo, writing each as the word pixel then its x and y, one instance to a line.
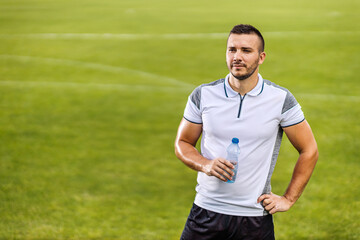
pixel 192 111
pixel 291 112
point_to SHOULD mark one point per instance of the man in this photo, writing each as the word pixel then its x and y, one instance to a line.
pixel 256 111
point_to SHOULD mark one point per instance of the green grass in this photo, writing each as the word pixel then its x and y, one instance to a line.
pixel 87 125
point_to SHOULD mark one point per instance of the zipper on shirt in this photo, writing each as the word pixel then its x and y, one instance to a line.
pixel 241 102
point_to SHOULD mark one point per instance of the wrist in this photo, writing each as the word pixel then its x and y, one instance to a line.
pixel 204 166
pixel 290 199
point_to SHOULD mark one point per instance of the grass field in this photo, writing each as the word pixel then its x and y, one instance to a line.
pixel 92 92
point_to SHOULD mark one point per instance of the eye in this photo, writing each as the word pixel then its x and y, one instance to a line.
pixel 246 50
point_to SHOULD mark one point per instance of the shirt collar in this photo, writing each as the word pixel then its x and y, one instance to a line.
pixel 257 90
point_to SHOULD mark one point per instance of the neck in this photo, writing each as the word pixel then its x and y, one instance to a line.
pixel 243 86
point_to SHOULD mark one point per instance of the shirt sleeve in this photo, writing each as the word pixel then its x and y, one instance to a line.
pixel 192 111
pixel 291 112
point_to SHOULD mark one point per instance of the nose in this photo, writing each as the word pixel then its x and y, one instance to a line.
pixel 237 56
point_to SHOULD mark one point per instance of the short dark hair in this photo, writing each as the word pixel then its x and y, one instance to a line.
pixel 248 29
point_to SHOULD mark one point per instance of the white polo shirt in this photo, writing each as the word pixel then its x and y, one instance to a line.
pixel 256 119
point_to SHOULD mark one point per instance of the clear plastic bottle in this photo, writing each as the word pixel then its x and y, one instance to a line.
pixel 233 152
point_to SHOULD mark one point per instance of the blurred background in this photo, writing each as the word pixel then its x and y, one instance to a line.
pixel 92 92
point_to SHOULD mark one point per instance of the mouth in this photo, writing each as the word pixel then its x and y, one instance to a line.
pixel 238 65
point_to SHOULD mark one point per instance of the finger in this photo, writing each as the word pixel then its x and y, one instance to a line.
pixel 226 174
pixel 219 176
pixel 228 164
pixel 262 197
pixel 227 169
pixel 273 210
pixel 223 166
pixel 270 206
pixel 220 173
pixel 225 163
pixel 266 202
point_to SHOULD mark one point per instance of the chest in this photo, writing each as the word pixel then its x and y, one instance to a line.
pixel 248 117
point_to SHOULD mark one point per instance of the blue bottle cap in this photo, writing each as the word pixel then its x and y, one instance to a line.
pixel 235 140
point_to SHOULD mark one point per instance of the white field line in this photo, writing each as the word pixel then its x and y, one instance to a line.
pixel 85 86
pixel 124 36
pixel 181 85
pixel 328 97
pixel 149 88
pixel 165 36
pixel 96 66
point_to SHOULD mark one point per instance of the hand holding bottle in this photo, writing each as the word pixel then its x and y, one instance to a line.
pixel 220 168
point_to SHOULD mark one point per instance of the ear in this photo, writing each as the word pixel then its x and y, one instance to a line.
pixel 262 57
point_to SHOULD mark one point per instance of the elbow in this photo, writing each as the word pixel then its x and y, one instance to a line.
pixel 316 154
pixel 313 154
pixel 177 148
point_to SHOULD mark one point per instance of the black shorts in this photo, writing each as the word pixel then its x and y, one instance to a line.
pixel 203 224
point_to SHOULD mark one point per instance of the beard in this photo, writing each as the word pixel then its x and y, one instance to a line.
pixel 250 70
pixel 244 76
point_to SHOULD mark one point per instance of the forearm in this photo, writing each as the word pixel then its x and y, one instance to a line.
pixel 188 134
pixel 301 175
pixel 302 139
pixel 190 156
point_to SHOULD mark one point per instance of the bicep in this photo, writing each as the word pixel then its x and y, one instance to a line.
pixel 301 136
pixel 188 132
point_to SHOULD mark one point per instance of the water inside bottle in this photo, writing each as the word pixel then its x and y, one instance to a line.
pixel 235 173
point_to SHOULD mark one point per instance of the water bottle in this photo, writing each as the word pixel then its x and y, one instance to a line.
pixel 233 152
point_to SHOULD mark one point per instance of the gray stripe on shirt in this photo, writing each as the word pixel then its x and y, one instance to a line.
pixel 290 100
pixel 196 94
pixel 267 188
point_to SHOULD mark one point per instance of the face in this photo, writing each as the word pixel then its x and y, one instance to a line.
pixel 243 56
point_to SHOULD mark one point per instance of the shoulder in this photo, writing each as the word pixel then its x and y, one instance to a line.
pixel 289 99
pixel 195 96
pixel 275 86
pixel 211 84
